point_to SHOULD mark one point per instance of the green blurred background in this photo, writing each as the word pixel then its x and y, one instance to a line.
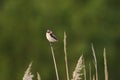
pixel 23 24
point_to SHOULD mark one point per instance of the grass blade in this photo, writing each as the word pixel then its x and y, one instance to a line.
pixel 90 72
pixel 66 63
pixel 95 62
pixel 105 65
pixel 38 76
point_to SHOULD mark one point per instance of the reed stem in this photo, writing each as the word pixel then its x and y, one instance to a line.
pixel 54 61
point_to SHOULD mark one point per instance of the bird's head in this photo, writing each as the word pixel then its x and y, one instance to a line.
pixel 49 31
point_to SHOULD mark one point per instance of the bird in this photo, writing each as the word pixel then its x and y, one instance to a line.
pixel 50 36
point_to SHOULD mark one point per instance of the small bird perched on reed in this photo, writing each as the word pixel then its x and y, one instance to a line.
pixel 50 36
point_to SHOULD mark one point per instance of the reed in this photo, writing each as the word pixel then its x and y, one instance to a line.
pixel 105 65
pixel 55 65
pixel 66 63
pixel 95 62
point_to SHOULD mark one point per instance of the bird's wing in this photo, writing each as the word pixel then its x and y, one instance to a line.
pixel 53 36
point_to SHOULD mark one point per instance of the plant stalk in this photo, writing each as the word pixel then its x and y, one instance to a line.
pixel 54 61
pixel 66 56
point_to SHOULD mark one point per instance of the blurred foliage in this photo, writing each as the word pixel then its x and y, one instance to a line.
pixel 23 24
